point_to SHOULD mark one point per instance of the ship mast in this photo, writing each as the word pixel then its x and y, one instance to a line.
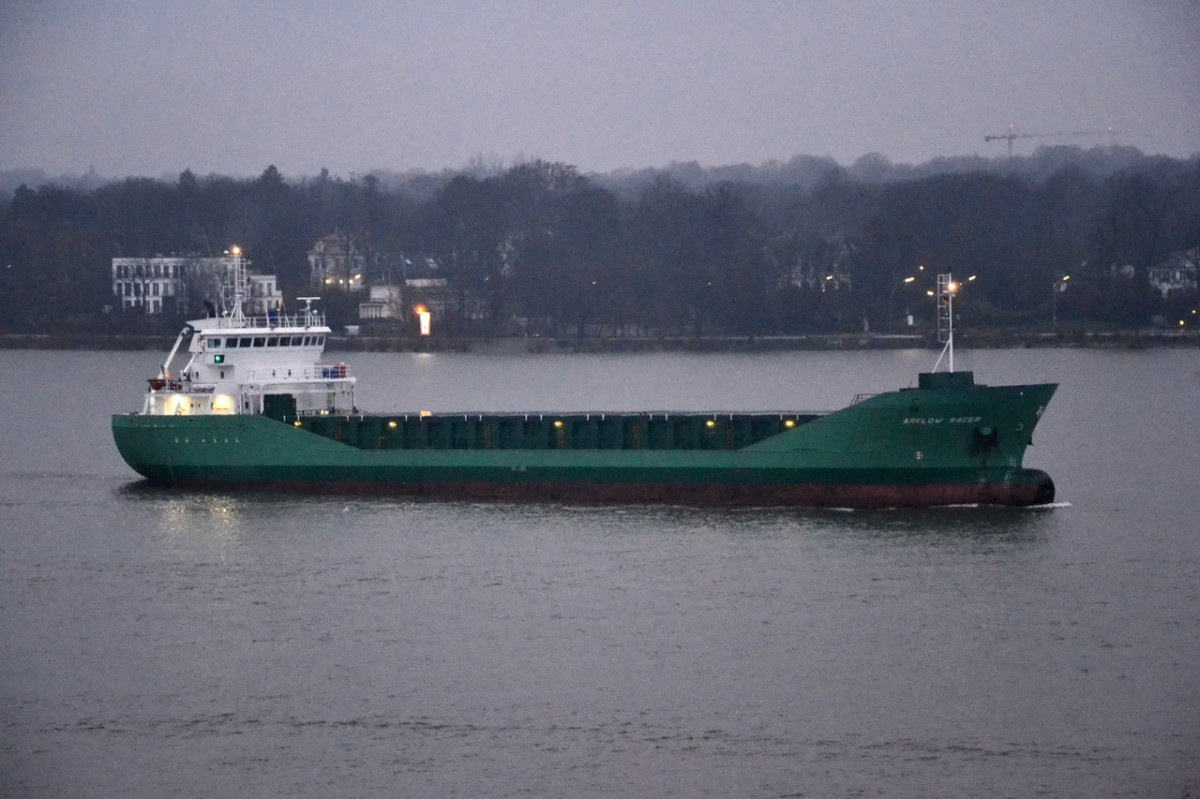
pixel 311 317
pixel 237 276
pixel 946 289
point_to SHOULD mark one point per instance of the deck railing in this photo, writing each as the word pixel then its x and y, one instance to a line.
pixel 276 374
pixel 318 372
pixel 274 320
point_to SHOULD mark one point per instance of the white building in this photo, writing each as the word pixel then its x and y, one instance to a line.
pixel 182 284
pixel 397 301
pixel 383 302
pixel 1177 273
pixel 335 261
pixel 265 296
pixel 152 284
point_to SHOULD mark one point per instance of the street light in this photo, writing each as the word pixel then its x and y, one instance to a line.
pixel 892 296
pixel 1059 287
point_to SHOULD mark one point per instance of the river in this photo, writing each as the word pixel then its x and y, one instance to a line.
pixel 190 644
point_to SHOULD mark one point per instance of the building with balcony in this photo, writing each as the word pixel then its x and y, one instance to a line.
pixel 185 285
pixel 335 261
pixel 397 300
pixel 1177 273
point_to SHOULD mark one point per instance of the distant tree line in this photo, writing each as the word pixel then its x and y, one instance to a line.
pixel 801 247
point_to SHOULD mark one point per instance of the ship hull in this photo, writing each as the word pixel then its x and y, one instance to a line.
pixel 949 442
pixel 1021 487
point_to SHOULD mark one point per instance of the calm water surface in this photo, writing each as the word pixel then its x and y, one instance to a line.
pixel 161 643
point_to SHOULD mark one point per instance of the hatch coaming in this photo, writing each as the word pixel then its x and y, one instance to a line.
pixel 609 431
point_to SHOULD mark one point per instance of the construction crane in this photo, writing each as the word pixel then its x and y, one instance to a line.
pixel 1012 135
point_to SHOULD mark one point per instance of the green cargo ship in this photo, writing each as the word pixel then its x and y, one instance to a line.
pixel 255 408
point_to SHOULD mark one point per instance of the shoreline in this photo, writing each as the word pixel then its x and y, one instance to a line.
pixel 984 339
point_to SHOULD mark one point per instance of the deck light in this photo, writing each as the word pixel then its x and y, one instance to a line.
pixel 790 423
pixel 711 423
pixel 392 424
pixel 296 423
pixel 558 423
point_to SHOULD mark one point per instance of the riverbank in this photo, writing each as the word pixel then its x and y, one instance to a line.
pixel 977 339
pixel 995 339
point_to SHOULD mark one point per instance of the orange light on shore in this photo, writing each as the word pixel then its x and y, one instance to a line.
pixel 423 316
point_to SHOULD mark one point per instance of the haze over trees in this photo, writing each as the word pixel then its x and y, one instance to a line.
pixel 804 246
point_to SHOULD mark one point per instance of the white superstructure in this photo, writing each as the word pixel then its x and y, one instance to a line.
pixel 252 364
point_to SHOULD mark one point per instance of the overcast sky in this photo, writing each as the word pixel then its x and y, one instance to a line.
pixel 151 88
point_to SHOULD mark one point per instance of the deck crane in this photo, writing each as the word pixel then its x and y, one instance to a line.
pixel 1012 134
